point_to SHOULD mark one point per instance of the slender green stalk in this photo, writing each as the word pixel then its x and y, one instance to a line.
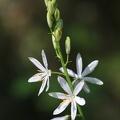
pixel 80 111
pixel 58 73
pixel 67 60
pixel 64 68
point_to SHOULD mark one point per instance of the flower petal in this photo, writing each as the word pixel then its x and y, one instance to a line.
pixel 73 110
pixel 80 101
pixel 79 64
pixel 78 87
pixel 36 63
pixel 75 82
pixel 93 80
pixel 48 83
pixel 61 118
pixel 70 72
pixel 64 85
pixel 61 69
pixel 35 78
pixel 90 68
pixel 86 88
pixel 58 95
pixel 61 107
pixel 42 87
pixel 44 59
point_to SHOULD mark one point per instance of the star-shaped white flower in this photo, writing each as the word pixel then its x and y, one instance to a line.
pixel 70 97
pixel 43 72
pixel 61 118
pixel 82 75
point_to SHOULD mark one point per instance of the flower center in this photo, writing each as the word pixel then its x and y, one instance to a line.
pixel 48 72
pixel 71 98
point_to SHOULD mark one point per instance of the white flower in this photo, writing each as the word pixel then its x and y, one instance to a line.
pixel 82 75
pixel 71 97
pixel 43 74
pixel 61 118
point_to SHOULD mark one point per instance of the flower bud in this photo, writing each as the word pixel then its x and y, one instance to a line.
pixel 57 14
pixel 46 2
pixel 58 34
pixel 50 7
pixel 54 41
pixel 49 19
pixel 67 45
pixel 54 2
pixel 59 24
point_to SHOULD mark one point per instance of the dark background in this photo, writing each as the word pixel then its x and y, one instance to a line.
pixel 94 28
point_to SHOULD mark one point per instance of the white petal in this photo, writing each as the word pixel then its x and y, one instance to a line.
pixel 79 64
pixel 73 110
pixel 61 118
pixel 86 88
pixel 61 107
pixel 70 72
pixel 79 100
pixel 48 83
pixel 58 95
pixel 75 82
pixel 44 59
pixel 42 87
pixel 36 63
pixel 90 68
pixel 78 87
pixel 35 78
pixel 64 85
pixel 61 69
pixel 93 80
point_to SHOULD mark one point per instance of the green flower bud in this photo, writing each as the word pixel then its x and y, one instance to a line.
pixel 46 2
pixel 54 2
pixel 58 34
pixel 67 45
pixel 50 7
pixel 54 41
pixel 59 24
pixel 57 14
pixel 49 19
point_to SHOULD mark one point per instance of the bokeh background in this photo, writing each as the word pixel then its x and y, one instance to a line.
pixel 94 28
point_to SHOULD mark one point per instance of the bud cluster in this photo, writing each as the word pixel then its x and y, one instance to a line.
pixel 55 23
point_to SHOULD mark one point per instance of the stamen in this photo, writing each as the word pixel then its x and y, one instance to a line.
pixel 72 98
pixel 40 75
pixel 39 70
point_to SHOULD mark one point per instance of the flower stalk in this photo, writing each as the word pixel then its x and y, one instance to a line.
pixel 57 30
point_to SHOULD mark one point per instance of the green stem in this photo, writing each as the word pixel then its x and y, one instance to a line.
pixel 58 73
pixel 67 60
pixel 64 67
pixel 80 111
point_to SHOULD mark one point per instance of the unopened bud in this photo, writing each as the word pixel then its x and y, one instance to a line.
pixel 46 2
pixel 67 45
pixel 54 41
pixel 57 14
pixel 54 2
pixel 49 19
pixel 50 7
pixel 59 24
pixel 58 34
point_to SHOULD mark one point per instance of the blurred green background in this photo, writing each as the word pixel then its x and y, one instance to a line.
pixel 94 28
